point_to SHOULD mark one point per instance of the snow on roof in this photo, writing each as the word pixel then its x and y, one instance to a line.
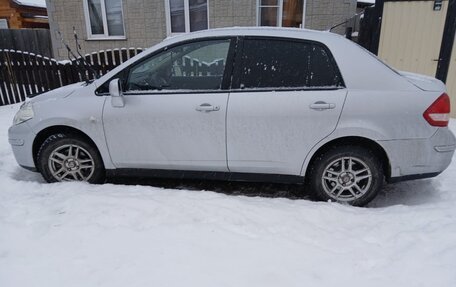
pixel 34 3
pixel 367 1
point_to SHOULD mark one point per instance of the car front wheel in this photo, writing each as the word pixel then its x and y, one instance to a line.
pixel 348 174
pixel 69 158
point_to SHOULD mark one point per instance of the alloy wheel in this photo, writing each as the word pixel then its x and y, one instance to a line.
pixel 71 162
pixel 346 179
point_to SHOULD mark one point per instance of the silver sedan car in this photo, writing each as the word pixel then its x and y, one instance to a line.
pixel 256 104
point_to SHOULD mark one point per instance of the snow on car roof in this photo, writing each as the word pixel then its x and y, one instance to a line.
pixel 360 69
pixel 256 31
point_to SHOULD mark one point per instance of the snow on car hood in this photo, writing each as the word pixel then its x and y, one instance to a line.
pixel 423 82
pixel 58 93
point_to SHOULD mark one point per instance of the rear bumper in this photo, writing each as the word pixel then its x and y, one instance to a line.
pixel 420 158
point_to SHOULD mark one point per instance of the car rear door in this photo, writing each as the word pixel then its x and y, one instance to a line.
pixel 287 96
pixel 175 109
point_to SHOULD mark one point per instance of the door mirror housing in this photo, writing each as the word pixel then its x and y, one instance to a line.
pixel 115 90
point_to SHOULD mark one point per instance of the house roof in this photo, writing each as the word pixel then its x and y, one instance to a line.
pixel 32 3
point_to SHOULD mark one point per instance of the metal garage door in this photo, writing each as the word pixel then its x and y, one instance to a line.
pixel 451 79
pixel 411 35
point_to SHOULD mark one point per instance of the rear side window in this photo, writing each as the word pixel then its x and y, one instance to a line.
pixel 269 63
pixel 323 72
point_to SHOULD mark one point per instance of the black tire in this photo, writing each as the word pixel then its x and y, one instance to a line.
pixel 61 140
pixel 326 174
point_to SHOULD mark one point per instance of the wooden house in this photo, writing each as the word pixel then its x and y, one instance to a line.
pixel 18 14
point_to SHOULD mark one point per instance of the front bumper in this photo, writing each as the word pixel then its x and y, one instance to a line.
pixel 420 158
pixel 21 138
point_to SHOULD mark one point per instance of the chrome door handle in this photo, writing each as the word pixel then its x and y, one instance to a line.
pixel 207 108
pixel 320 106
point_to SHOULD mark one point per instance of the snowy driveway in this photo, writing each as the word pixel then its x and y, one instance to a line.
pixel 75 234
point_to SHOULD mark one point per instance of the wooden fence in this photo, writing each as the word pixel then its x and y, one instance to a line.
pixel 23 73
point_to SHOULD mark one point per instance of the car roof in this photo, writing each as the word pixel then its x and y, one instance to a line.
pixel 296 33
pixel 359 69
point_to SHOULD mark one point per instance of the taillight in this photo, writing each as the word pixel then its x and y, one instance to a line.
pixel 438 114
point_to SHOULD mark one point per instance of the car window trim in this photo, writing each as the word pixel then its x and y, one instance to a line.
pixel 175 92
pixel 236 81
pixel 227 75
pixel 285 89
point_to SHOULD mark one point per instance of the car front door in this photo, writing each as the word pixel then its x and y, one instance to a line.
pixel 175 109
pixel 287 96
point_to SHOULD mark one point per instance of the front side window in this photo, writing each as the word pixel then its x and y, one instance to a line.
pixel 281 13
pixel 187 15
pixel 189 67
pixel 286 64
pixel 104 18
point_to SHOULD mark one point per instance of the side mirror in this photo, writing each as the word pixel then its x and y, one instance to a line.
pixel 115 90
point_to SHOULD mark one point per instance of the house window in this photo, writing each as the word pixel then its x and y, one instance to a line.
pixel 186 15
pixel 281 13
pixel 3 24
pixel 104 19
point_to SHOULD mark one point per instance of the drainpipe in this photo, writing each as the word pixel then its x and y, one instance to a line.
pixel 303 26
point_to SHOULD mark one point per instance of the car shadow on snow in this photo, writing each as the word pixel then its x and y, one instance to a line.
pixel 406 193
pixel 273 190
pixel 409 193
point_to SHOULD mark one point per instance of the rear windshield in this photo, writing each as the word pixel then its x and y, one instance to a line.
pixel 378 59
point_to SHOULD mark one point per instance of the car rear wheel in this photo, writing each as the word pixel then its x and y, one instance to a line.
pixel 69 158
pixel 347 174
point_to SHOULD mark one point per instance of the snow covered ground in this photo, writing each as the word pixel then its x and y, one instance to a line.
pixel 75 234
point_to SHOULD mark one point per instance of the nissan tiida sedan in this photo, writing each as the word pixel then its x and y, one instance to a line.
pixel 250 104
